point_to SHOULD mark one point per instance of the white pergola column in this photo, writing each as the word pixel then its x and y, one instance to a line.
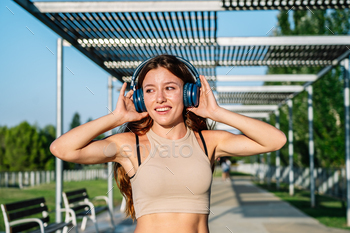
pixel 268 162
pixel 311 145
pixel 110 164
pixel 278 160
pixel 268 158
pixel 347 136
pixel 59 128
pixel 290 147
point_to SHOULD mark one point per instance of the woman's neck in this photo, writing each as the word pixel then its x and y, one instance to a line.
pixel 174 132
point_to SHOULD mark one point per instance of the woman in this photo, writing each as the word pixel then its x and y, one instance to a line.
pixel 225 167
pixel 166 178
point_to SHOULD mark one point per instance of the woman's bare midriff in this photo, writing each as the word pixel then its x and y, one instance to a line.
pixel 172 223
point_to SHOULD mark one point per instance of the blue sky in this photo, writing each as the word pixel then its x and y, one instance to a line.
pixel 28 67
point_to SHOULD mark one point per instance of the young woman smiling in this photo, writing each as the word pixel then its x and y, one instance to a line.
pixel 163 160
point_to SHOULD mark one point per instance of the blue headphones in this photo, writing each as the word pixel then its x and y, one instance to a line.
pixel 190 92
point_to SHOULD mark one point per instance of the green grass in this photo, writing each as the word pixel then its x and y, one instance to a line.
pixel 218 173
pixel 48 191
pixel 328 211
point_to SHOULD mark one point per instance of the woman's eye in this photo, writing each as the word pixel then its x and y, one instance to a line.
pixel 148 91
pixel 169 88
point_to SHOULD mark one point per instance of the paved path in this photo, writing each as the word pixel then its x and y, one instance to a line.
pixel 239 207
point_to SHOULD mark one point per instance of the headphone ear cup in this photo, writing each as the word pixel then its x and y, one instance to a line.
pixel 195 95
pixel 186 95
pixel 138 100
pixel 142 102
pixel 134 97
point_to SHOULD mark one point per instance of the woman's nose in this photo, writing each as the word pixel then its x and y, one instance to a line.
pixel 160 97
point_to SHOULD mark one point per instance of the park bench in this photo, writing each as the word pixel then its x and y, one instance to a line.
pixel 78 202
pixel 31 215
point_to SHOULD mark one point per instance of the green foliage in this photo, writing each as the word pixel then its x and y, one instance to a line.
pixel 75 121
pixel 328 92
pixel 3 130
pixel 25 147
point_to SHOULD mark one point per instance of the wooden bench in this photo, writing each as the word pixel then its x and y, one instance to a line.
pixel 78 202
pixel 33 213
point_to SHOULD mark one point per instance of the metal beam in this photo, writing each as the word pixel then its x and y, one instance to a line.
pixel 141 42
pixel 220 126
pixel 273 89
pixel 128 6
pixel 268 78
pixel 285 40
pixel 238 108
pixel 259 115
pixel 29 6
pixel 320 74
pixel 154 6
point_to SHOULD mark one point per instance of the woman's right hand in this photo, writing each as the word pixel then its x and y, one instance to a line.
pixel 126 108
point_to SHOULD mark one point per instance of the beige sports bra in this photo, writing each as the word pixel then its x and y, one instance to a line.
pixel 176 176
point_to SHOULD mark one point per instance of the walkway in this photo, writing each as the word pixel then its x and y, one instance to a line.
pixel 241 207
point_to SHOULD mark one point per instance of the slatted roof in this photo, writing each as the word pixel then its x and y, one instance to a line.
pixel 118 36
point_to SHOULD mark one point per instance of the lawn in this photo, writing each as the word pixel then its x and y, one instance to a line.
pixel 94 188
pixel 328 211
pixel 218 173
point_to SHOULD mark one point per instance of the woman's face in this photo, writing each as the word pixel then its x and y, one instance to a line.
pixel 163 96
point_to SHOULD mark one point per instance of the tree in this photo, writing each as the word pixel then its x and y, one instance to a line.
pixel 328 92
pixel 75 121
pixel 3 130
pixel 24 148
pixel 49 133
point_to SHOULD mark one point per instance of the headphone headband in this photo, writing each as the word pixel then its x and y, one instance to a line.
pixel 187 63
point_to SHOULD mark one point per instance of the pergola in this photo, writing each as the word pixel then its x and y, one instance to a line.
pixel 118 36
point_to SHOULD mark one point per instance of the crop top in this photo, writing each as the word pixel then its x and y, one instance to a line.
pixel 176 176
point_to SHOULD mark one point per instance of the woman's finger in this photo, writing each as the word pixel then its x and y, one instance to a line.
pixel 202 83
pixel 122 90
pixel 205 83
pixel 129 94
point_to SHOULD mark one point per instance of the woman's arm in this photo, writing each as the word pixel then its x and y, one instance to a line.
pixel 259 137
pixel 77 146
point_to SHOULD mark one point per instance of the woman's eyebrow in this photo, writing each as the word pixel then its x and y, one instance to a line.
pixel 170 82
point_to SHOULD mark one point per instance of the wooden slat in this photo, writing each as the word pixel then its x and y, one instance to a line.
pixel 80 207
pixel 24 204
pixel 75 192
pixel 26 212
pixel 88 212
pixel 76 199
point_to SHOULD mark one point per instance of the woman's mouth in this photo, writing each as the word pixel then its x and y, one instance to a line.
pixel 164 110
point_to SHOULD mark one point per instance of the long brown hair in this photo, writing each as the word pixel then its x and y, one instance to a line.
pixel 142 126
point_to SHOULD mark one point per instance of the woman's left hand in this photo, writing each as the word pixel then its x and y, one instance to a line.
pixel 207 102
